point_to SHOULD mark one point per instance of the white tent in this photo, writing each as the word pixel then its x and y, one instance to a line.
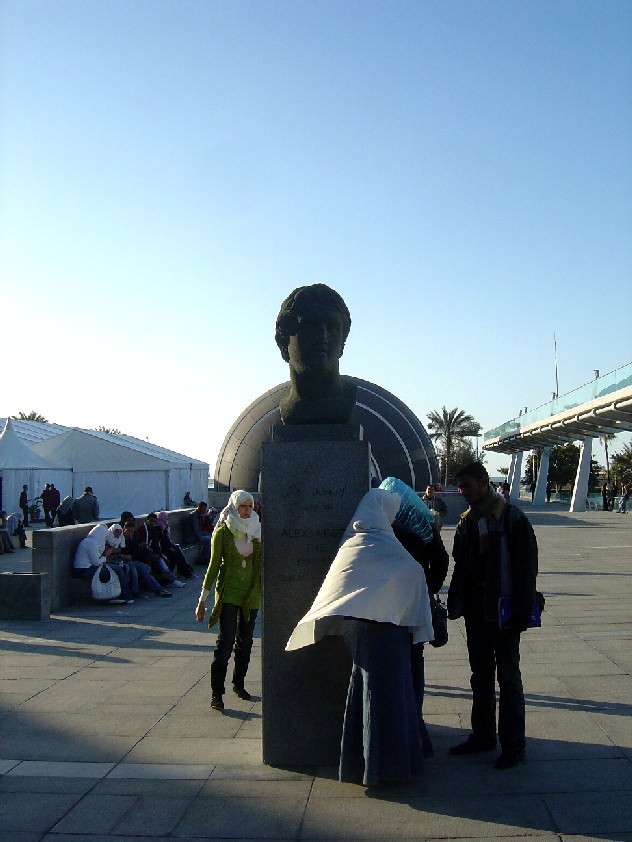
pixel 126 473
pixel 19 466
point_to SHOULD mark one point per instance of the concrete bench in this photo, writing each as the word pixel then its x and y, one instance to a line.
pixel 54 551
pixel 24 596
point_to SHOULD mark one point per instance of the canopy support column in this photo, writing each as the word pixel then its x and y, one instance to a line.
pixel 515 472
pixel 580 491
pixel 543 474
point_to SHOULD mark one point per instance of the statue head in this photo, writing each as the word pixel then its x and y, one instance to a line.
pixel 311 330
pixel 312 327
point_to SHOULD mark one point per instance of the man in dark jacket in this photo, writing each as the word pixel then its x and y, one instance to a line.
pixel 495 554
pixel 198 529
pixel 85 509
pixel 436 505
pixel 24 503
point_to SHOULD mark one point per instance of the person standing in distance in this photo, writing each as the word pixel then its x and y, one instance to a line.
pixel 24 503
pixel 493 539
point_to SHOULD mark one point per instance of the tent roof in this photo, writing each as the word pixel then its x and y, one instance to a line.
pixel 89 450
pixel 95 450
pixel 14 453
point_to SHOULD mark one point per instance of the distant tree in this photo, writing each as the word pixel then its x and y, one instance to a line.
pixel 30 416
pixel 462 453
pixel 622 465
pixel 597 475
pixel 606 439
pixel 111 430
pixel 563 463
pixel 504 471
pixel 531 468
pixel 449 428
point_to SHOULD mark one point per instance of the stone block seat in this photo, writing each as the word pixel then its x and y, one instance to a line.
pixel 54 551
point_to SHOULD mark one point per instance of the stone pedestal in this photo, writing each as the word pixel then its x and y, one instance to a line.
pixel 313 477
pixel 24 596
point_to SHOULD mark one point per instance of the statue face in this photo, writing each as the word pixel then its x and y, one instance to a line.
pixel 318 342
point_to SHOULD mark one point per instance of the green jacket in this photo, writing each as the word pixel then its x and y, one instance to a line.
pixel 238 579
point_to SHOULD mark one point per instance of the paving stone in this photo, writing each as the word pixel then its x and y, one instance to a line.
pixel 160 771
pixel 37 785
pixel 99 813
pixel 57 769
pixel 256 818
pixel 22 811
pixel 385 814
pixel 605 814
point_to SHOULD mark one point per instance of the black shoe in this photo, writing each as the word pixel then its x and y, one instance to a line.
pixel 242 693
pixel 217 703
pixel 509 759
pixel 473 746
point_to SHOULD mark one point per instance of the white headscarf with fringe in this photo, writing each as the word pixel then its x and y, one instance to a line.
pixel 249 527
pixel 372 577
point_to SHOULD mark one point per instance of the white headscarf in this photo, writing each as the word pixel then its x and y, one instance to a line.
pixel 240 526
pixel 372 577
pixel 116 540
pixel 101 536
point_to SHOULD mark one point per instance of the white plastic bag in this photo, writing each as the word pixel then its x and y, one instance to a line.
pixel 105 583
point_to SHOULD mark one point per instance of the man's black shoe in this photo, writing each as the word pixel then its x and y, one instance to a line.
pixel 242 693
pixel 217 703
pixel 473 746
pixel 509 759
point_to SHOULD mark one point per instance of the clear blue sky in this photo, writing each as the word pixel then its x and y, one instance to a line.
pixel 461 172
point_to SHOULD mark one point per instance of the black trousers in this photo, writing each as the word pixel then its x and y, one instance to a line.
pixel 495 654
pixel 234 630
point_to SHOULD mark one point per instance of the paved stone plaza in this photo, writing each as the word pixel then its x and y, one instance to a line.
pixel 106 731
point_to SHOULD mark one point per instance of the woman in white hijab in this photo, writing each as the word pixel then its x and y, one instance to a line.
pixel 374 594
pixel 92 551
pixel 236 563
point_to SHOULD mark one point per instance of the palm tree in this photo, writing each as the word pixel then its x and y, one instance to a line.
pixel 605 439
pixel 450 427
pixel 30 416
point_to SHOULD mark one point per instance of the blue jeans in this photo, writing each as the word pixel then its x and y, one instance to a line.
pixel 204 551
pixel 234 630
pixel 140 574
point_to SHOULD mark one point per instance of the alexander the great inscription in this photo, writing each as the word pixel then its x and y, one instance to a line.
pixel 334 532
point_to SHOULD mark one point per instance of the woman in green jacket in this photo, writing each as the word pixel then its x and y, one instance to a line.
pixel 235 567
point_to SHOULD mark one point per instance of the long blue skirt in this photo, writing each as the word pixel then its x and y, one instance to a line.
pixel 380 736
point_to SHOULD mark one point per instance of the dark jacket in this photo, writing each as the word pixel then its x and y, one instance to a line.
pixel 436 504
pixel 193 527
pixel 149 538
pixel 85 509
pixel 432 556
pixel 476 574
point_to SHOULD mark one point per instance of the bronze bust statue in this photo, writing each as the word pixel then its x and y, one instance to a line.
pixel 311 331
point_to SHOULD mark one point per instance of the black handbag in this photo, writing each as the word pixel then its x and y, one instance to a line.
pixel 439 621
